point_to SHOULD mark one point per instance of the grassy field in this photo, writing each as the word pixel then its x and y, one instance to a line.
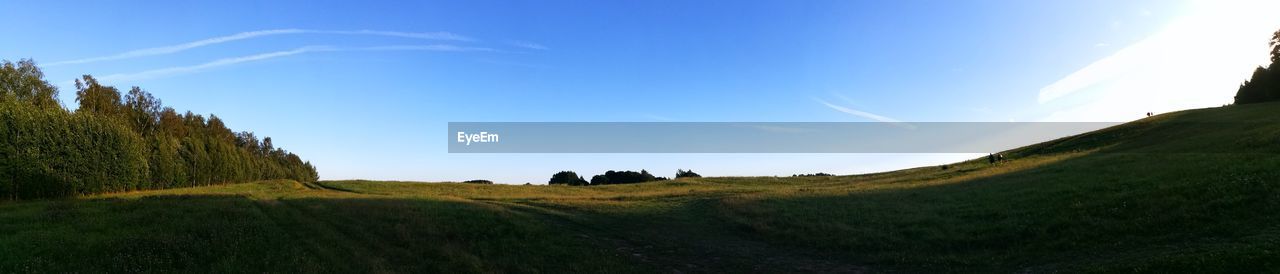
pixel 1191 191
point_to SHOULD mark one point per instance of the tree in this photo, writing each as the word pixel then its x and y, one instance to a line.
pixel 24 82
pixel 111 145
pixel 143 110
pixel 599 180
pixel 96 98
pixel 1275 47
pixel 625 177
pixel 171 123
pixel 567 178
pixel 1264 84
pixel 680 173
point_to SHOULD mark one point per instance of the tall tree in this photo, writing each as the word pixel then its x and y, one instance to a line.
pixel 143 110
pixel 1264 85
pixel 96 98
pixel 24 82
pixel 1275 47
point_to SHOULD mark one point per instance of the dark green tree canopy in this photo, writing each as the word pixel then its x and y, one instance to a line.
pixel 567 178
pixel 599 180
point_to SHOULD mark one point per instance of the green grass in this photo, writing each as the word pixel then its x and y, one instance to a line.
pixel 1192 191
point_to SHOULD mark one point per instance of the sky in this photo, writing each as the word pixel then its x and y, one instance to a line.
pixel 365 89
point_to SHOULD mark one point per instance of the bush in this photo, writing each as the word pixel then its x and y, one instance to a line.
pixel 479 182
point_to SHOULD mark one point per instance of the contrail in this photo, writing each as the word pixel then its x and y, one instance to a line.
pixel 865 114
pixel 254 34
pixel 269 55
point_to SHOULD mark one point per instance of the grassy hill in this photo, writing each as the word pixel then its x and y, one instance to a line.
pixel 1196 190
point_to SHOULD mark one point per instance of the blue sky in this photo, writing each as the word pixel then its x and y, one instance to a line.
pixel 364 89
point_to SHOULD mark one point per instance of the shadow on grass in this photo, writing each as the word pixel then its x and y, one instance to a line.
pixel 1098 212
pixel 230 233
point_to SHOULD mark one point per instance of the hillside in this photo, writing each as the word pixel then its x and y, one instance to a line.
pixel 1191 191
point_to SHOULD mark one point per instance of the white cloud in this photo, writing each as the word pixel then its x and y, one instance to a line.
pixel 254 34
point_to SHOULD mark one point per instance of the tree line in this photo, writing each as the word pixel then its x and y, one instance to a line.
pixel 1264 84
pixel 614 177
pixel 120 142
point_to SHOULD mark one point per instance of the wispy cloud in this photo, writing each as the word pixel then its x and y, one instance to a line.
pixel 439 35
pixel 435 47
pixel 255 34
pixel 528 45
pixel 863 114
pixel 858 113
pixel 163 72
pixel 216 63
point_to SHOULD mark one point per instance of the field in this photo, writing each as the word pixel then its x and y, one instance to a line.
pixel 1190 191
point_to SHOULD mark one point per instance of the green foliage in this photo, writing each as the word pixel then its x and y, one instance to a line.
pixel 112 145
pixel 478 182
pixel 51 153
pixel 24 82
pixel 96 98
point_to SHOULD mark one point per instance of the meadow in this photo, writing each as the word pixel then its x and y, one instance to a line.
pixel 1190 191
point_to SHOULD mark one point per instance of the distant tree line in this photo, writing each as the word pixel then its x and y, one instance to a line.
pixel 819 174
pixel 613 177
pixel 478 182
pixel 119 142
pixel 1264 84
pixel 680 173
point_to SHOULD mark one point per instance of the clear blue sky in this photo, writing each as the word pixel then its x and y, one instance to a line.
pixel 364 89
